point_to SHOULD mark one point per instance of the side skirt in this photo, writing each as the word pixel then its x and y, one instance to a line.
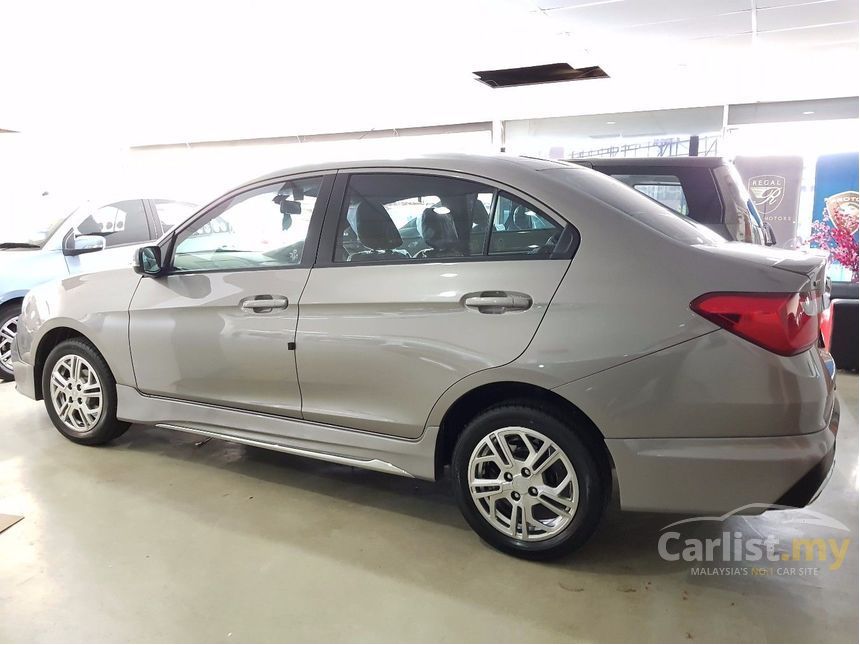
pixel 404 457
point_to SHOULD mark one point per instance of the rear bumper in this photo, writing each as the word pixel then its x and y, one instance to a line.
pixel 807 489
pixel 723 474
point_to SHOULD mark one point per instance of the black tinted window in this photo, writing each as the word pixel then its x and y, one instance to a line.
pixel 664 188
pixel 120 223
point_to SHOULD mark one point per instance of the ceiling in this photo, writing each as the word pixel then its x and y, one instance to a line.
pixel 153 71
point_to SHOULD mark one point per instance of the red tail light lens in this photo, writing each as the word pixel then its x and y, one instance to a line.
pixel 783 323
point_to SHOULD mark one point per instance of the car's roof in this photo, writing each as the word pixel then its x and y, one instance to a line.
pixel 684 162
pixel 474 164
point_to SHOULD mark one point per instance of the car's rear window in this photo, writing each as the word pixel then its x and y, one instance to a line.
pixel 641 208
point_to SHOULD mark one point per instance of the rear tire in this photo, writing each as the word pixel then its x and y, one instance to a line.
pixel 8 329
pixel 540 495
pixel 80 393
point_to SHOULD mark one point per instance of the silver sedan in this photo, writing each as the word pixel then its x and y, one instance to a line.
pixel 529 325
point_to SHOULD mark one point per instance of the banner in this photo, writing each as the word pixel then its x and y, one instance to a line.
pixel 774 187
pixel 835 213
pixel 836 187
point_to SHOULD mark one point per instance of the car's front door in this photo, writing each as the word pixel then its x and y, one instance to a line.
pixel 219 326
pixel 389 323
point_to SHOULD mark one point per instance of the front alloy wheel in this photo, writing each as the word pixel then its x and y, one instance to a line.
pixel 527 482
pixel 8 330
pixel 80 393
pixel 76 393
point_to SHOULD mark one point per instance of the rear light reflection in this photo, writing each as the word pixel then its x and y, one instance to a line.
pixel 783 323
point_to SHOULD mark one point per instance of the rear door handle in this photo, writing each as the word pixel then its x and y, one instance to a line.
pixel 497 302
pixel 263 304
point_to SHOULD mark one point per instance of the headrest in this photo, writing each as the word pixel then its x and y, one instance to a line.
pixel 436 227
pixel 374 228
pixel 480 216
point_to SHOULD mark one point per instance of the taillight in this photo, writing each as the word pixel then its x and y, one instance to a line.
pixel 783 323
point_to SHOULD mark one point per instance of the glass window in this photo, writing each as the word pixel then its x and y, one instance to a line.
pixel 665 189
pixel 264 227
pixel 520 228
pixel 171 214
pixel 120 223
pixel 401 217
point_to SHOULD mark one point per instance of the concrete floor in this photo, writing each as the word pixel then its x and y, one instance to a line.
pixel 157 538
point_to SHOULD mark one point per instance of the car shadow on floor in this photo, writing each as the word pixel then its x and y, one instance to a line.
pixel 624 543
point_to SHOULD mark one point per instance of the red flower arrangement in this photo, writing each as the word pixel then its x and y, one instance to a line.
pixel 839 242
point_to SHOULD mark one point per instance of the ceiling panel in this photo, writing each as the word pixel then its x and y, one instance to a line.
pixel 560 4
pixel 712 27
pixel 618 15
pixel 818 13
pixel 834 35
pixel 767 4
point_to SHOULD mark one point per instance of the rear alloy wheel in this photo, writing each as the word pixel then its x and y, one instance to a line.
pixel 80 393
pixel 526 483
pixel 523 483
pixel 8 330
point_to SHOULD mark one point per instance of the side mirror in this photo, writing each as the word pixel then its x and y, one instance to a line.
pixel 769 235
pixel 80 244
pixel 147 260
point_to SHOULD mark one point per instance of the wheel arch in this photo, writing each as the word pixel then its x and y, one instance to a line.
pixel 48 342
pixel 12 300
pixel 471 403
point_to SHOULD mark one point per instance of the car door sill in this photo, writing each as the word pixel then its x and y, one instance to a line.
pixel 368 464
pixel 388 454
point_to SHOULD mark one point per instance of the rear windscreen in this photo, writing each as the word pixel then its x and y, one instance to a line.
pixel 638 206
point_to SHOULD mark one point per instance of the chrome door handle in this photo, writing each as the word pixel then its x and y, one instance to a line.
pixel 496 302
pixel 263 304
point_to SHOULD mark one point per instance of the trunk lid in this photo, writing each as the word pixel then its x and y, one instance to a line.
pixel 812 264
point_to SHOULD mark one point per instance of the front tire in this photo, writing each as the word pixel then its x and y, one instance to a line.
pixel 526 482
pixel 8 330
pixel 80 393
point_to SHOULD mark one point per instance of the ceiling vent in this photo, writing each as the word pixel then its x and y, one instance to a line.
pixel 554 73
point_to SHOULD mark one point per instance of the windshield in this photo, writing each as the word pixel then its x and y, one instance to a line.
pixel 35 228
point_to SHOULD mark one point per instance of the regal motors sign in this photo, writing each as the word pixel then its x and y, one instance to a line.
pixel 766 191
pixel 773 184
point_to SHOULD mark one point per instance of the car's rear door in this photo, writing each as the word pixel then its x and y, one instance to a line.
pixel 383 331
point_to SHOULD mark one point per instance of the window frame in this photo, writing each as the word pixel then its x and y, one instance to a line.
pixel 168 244
pixel 338 202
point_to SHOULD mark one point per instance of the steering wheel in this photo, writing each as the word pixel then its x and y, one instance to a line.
pixel 548 246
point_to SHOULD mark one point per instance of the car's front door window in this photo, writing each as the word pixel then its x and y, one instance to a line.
pixel 261 228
